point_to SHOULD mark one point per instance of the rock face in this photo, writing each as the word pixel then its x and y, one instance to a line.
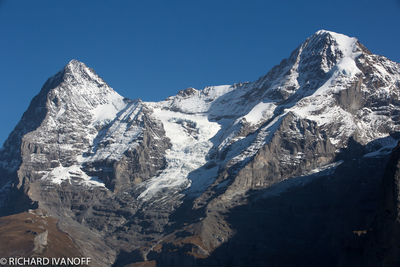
pixel 382 245
pixel 228 175
pixel 390 227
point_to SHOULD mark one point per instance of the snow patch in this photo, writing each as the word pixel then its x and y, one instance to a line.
pixel 260 112
pixel 119 136
pixel 108 111
pixel 62 174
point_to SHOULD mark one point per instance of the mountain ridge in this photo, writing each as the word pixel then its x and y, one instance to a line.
pixel 145 177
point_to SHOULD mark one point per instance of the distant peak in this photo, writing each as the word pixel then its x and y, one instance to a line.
pixel 322 31
pixel 74 62
pixel 75 75
pixel 337 37
pixel 79 71
pixel 331 45
pixel 75 65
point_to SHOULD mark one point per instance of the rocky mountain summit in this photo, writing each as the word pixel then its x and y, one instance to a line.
pixel 280 171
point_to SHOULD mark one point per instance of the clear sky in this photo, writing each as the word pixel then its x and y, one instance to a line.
pixel 150 49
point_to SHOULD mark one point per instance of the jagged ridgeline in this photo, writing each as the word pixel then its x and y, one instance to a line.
pixel 282 171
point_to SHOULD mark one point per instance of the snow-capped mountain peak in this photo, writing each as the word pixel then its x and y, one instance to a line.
pixel 75 64
pixel 80 70
pixel 334 48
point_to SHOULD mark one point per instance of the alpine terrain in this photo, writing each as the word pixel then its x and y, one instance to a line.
pixel 293 169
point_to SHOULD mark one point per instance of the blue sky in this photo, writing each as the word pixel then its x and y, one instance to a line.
pixel 151 49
